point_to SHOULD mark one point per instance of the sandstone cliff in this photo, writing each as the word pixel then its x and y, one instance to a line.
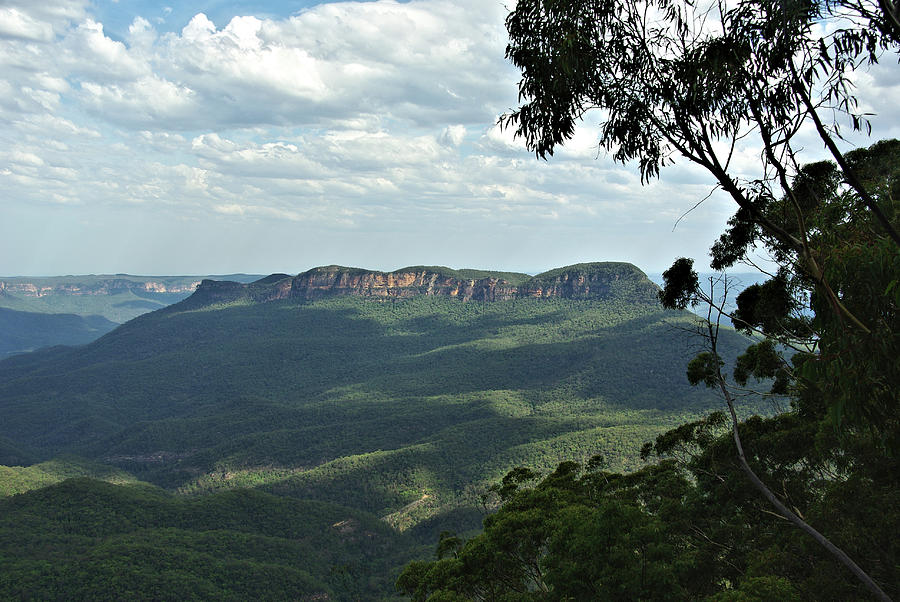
pixel 407 282
pixel 116 297
pixel 582 281
pixel 42 287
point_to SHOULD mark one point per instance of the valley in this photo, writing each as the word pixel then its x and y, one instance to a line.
pixel 386 399
pixel 37 312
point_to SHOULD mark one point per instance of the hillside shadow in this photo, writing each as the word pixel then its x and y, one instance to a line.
pixel 312 365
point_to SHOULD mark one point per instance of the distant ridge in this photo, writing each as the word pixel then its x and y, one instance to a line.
pixel 116 297
pixel 599 280
pixel 335 393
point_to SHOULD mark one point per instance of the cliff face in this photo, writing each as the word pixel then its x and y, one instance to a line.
pixel 409 282
pixel 582 281
pixel 215 292
pixel 592 281
pixel 111 286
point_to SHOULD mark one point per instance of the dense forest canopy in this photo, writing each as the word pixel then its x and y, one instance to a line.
pixel 398 412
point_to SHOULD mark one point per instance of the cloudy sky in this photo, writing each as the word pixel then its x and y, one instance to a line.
pixel 249 136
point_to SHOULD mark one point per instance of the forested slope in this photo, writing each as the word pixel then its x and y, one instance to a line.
pixel 406 408
pixel 371 403
pixel 22 331
pixel 88 540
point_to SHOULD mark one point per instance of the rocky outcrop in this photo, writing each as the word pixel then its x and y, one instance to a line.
pixel 219 292
pixel 582 281
pixel 592 281
pixel 408 282
pixel 108 286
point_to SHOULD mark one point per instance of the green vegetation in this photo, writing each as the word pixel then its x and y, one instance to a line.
pixel 88 540
pixel 405 410
pixel 271 419
pixel 630 281
pixel 38 312
pixel 800 505
pixel 690 527
pixel 19 479
pixel 26 331
pixel 514 278
pixel 421 396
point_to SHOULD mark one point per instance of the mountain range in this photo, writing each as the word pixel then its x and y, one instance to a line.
pixel 38 312
pixel 402 396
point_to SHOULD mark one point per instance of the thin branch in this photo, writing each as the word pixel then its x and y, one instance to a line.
pixel 849 173
pixel 786 512
pixel 815 270
pixel 697 204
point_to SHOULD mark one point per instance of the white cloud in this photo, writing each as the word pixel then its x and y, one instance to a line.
pixel 141 102
pixel 24 158
pixel 453 135
pixel 199 29
pixel 499 139
pixel 419 62
pixel 46 125
pixel 89 53
pixel 269 160
pixel 57 13
pixel 16 24
pixel 375 120
pixel 51 83
pixel 141 34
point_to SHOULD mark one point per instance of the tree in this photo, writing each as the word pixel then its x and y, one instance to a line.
pixel 769 310
pixel 541 544
pixel 700 79
pixel 696 80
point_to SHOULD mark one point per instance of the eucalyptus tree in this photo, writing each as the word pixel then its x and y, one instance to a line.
pixel 697 79
pixel 701 80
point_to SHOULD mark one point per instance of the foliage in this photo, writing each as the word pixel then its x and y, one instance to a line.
pixel 844 321
pixel 407 410
pixel 699 80
pixel 684 78
pixel 87 540
pixel 681 281
pixel 22 331
pixel 688 527
pixel 19 479
pixel 675 77
pixel 840 327
pixel 514 278
pixel 623 281
pixel 403 410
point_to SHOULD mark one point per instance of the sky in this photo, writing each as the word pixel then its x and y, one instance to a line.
pixel 233 136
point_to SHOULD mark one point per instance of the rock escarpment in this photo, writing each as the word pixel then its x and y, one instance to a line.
pixel 90 285
pixel 591 281
pixel 407 282
pixel 582 281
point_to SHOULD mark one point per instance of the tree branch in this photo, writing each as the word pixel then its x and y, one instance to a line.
pixel 786 512
pixel 849 173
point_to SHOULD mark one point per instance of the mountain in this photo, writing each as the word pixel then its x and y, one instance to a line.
pixel 73 310
pixel 22 331
pixel 251 380
pixel 400 395
pixel 118 298
pixel 581 281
